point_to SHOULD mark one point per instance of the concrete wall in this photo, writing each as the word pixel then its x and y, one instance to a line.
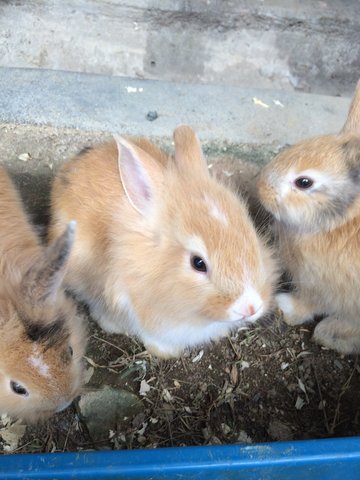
pixel 307 45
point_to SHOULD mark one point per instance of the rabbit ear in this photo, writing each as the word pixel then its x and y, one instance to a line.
pixel 42 281
pixel 352 123
pixel 140 175
pixel 188 152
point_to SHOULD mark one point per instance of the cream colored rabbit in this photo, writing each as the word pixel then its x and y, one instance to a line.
pixel 313 191
pixel 42 338
pixel 163 251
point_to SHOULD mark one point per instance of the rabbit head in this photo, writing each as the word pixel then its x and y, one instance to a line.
pixel 315 185
pixel 42 338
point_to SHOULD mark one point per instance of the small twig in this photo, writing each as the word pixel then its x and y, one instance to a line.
pixel 67 437
pixel 344 388
pixel 184 365
pixel 111 344
pixel 238 356
pixel 322 400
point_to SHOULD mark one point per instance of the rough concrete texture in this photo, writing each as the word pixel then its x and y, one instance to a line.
pixel 312 45
pixel 219 113
pixel 48 116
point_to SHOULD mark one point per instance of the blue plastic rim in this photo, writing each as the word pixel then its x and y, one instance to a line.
pixel 330 459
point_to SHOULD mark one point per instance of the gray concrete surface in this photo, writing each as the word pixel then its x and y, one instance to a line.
pixel 219 113
pixel 312 45
pixel 48 116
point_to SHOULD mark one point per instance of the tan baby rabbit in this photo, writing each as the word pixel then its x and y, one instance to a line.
pixel 41 337
pixel 313 191
pixel 163 251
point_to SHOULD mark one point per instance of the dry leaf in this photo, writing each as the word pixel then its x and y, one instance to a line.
pixel 144 388
pixel 198 357
pixel 299 403
pixel 12 434
pixel 167 396
pixel 259 102
pixel 24 157
pixel 234 375
pixel 244 365
pixel 89 372
pixel 301 386
pixel 134 89
pixel 278 103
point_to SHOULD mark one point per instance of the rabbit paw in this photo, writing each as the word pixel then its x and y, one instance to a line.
pixel 338 334
pixel 161 352
pixel 294 309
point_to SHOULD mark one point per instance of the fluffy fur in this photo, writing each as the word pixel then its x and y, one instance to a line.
pixel 318 229
pixel 141 216
pixel 41 337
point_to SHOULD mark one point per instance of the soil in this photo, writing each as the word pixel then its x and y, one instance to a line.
pixel 266 384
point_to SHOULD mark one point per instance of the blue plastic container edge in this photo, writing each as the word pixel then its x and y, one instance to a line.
pixel 311 459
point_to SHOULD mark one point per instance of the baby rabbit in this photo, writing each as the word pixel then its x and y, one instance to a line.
pixel 41 337
pixel 163 251
pixel 313 191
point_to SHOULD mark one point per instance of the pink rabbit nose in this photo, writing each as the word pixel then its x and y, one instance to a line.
pixel 249 306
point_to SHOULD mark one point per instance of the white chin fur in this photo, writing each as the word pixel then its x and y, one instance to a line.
pixel 63 406
pixel 188 335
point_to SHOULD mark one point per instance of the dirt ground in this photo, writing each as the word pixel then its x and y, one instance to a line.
pixel 269 383
pixel 266 384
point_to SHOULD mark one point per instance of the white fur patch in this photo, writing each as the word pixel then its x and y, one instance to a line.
pixel 172 341
pixel 37 361
pixel 285 303
pixel 216 212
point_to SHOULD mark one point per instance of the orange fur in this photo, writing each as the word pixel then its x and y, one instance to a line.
pixel 138 251
pixel 319 230
pixel 37 323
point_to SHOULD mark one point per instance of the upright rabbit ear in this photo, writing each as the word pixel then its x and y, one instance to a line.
pixel 188 152
pixel 352 123
pixel 140 175
pixel 42 281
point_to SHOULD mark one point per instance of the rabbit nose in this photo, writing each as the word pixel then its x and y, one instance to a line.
pixel 250 311
pixel 248 306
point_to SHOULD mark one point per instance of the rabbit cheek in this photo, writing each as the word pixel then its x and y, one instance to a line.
pixel 216 307
pixel 268 197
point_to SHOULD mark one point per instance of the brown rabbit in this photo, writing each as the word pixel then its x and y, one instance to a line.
pixel 313 191
pixel 42 338
pixel 163 251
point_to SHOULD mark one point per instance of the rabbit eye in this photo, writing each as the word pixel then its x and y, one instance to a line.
pixel 71 351
pixel 18 389
pixel 304 182
pixel 198 264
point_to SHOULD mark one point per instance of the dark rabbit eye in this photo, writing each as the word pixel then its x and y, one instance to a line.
pixel 18 389
pixel 198 264
pixel 71 351
pixel 304 182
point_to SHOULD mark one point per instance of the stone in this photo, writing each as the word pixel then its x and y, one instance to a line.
pixel 106 409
